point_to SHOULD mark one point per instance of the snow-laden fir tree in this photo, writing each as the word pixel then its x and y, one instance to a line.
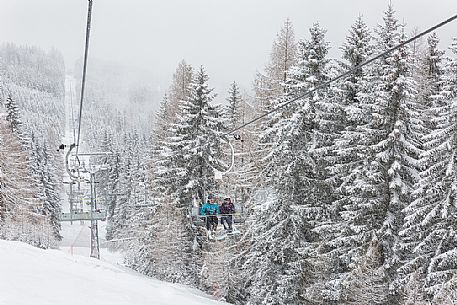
pixel 158 254
pixel 184 173
pixel 346 155
pixel 279 262
pixel 233 111
pixel 12 114
pixel 200 136
pixel 49 178
pixel 428 190
pixel 428 232
pixel 385 177
pixel 276 266
pixel 322 117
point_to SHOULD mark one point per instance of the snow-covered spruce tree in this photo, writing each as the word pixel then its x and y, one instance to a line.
pixel 113 190
pixel 310 70
pixel 448 294
pixel 199 137
pixel 184 172
pixel 324 118
pixel 143 210
pixel 12 113
pixel 49 177
pixel 233 111
pixel 200 131
pixel 108 179
pixel 122 215
pixel 46 181
pixel 429 191
pixel 345 155
pixel 157 254
pixel 434 214
pixel 278 264
pixel 382 188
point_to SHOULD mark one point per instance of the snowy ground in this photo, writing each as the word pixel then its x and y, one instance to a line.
pixel 53 277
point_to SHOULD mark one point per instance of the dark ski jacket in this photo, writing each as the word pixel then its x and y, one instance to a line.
pixel 227 208
pixel 210 209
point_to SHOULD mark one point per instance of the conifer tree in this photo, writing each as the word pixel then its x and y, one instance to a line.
pixel 184 166
pixel 428 189
pixel 200 132
pixel 284 231
pixel 12 113
pixel 428 232
pixel 50 182
pixel 385 177
pixel 233 111
pixel 347 152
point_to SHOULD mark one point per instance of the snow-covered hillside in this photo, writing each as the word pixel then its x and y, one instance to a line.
pixel 30 275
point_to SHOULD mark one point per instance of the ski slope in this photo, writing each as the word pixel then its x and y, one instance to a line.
pixel 30 275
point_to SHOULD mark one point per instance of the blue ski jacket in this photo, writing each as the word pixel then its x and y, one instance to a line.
pixel 210 209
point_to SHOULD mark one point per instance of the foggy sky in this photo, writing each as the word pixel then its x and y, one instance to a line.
pixel 230 38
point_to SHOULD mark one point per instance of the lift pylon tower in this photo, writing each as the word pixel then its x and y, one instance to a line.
pixel 94 242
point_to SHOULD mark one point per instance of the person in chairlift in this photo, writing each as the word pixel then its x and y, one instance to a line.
pixel 211 210
pixel 227 210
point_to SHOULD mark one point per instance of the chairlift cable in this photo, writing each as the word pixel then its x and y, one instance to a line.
pixel 72 114
pixel 345 74
pixel 83 83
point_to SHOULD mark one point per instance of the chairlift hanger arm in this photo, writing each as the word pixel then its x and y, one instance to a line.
pixel 67 166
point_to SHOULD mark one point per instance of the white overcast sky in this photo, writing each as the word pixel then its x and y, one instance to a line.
pixel 230 38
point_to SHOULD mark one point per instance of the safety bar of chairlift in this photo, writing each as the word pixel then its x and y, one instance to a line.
pixel 238 218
